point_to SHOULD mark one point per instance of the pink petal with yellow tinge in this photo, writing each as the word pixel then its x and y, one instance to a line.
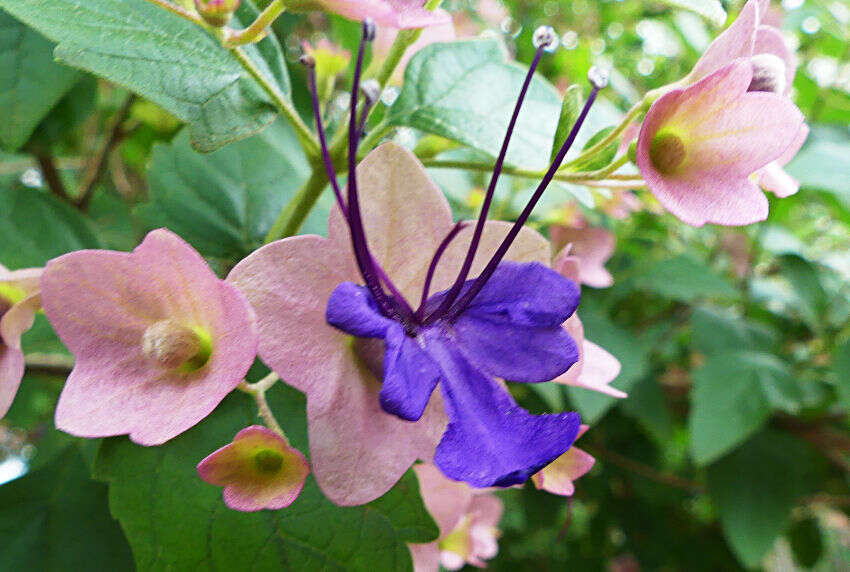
pixel 392 13
pixel 426 557
pixel 727 134
pixel 446 500
pixel 593 247
pixel 101 302
pixel 737 41
pixel 774 178
pixel 559 477
pixel 246 488
pixel 14 321
pixel 769 40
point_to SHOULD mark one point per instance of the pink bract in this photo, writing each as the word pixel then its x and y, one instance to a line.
pixel 258 470
pixel 358 451
pixel 559 477
pixel 19 301
pixel 104 306
pixel 391 13
pixel 699 146
pixel 467 518
pixel 593 247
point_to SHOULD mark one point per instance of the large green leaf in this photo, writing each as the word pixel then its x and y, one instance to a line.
pixel 718 330
pixel 35 227
pixel 175 521
pixel 805 281
pixel 466 91
pixel 165 59
pixel 58 519
pixel 755 489
pixel 841 367
pixel 710 9
pixel 734 394
pixel 31 82
pixel 225 202
pixel 685 279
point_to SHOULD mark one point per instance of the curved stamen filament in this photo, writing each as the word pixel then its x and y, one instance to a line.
pixel 426 290
pixel 451 296
pixel 482 279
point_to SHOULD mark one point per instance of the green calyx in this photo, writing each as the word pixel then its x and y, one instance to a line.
pixel 268 461
pixel 667 152
pixel 203 354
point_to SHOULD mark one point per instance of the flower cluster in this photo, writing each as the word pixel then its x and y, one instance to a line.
pixel 403 327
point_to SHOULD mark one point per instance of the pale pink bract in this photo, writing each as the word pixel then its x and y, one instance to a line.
pixel 19 301
pixel 121 314
pixel 401 14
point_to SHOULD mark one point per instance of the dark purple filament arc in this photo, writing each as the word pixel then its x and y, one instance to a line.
pixel 395 305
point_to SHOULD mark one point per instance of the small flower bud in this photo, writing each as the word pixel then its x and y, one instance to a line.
pixel 768 74
pixel 174 345
pixel 217 13
pixel 371 90
pixel 369 30
pixel 546 38
pixel 598 77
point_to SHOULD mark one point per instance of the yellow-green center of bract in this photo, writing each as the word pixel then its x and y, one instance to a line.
pixel 268 461
pixel 176 346
pixel 667 152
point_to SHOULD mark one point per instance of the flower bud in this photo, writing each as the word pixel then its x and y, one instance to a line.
pixel 217 13
pixel 174 345
pixel 371 90
pixel 768 74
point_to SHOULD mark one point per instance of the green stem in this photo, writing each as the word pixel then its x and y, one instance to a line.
pixel 305 136
pixel 256 31
pixel 258 392
pixel 588 177
pixel 292 216
pixel 603 143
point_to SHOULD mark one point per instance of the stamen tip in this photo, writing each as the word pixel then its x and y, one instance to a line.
pixel 546 38
pixel 598 77
pixel 369 29
pixel 307 60
pixel 371 90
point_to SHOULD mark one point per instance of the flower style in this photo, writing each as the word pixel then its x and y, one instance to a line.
pixel 559 477
pixel 401 14
pixel 467 519
pixel 20 299
pixel 506 323
pixel 774 67
pixel 258 470
pixel 159 340
pixel 698 146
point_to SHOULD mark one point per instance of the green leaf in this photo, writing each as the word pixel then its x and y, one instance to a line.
pixel 623 345
pixel 35 227
pixel 466 91
pixel 718 330
pixel 755 489
pixel 823 165
pixel 175 521
pixel 223 203
pixel 684 279
pixel 709 9
pixel 570 111
pixel 805 281
pixel 734 394
pixel 646 404
pixel 31 82
pixel 57 519
pixel 841 367
pixel 601 159
pixel 165 59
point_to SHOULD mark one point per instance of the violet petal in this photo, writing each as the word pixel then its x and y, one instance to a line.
pixel 352 309
pixel 410 376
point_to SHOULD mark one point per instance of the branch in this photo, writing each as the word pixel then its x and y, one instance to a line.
pixel 97 167
pixel 52 176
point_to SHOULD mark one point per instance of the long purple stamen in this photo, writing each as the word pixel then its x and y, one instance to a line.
pixel 451 296
pixel 426 290
pixel 310 64
pixel 598 80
